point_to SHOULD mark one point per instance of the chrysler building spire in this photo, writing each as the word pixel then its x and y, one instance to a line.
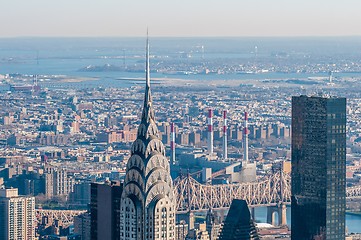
pixel 147 203
pixel 148 112
pixel 147 64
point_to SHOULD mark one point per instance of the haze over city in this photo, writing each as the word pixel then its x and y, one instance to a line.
pixel 186 18
pixel 230 120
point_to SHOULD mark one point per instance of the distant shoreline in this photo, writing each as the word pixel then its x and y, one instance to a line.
pixel 354 213
pixel 77 79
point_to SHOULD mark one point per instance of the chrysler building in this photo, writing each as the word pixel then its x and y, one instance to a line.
pixel 147 203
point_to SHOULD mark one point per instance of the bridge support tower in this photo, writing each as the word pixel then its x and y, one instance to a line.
pixel 253 213
pixel 281 211
pixel 190 216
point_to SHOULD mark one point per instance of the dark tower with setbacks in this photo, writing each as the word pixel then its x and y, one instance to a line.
pixel 318 167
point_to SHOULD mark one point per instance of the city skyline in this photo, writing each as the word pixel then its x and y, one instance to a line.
pixel 244 134
pixel 175 19
pixel 109 117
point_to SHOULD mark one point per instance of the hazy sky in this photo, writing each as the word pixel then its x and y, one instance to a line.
pixel 180 17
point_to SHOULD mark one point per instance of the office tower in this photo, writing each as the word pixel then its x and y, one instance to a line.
pixel 61 183
pixel 148 203
pixel 213 225
pixel 195 138
pixel 172 144
pixel 245 138
pixel 82 226
pixel 17 215
pixel 224 146
pixel 181 230
pixel 199 232
pixel 238 223
pixel 210 132
pixel 105 210
pixel 318 167
pixel 75 127
pixel 29 183
pixel 57 182
pixel 49 182
pixel 81 194
pixel 183 139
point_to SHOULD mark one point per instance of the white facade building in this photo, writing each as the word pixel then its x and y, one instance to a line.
pixel 17 216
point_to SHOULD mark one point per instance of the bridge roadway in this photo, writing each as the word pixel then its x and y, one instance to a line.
pixel 65 216
pixel 190 194
pixel 270 191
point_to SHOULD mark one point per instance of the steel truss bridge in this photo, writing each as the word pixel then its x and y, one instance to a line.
pixel 194 196
pixel 65 216
pixel 353 192
pixel 270 191
pixel 191 195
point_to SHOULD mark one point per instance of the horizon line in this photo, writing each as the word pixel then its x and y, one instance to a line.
pixel 209 36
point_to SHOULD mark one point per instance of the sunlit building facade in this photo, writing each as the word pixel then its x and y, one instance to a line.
pixel 147 203
pixel 17 215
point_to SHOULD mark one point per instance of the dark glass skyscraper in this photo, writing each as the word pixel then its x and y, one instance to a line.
pixel 238 223
pixel 318 168
pixel 105 210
